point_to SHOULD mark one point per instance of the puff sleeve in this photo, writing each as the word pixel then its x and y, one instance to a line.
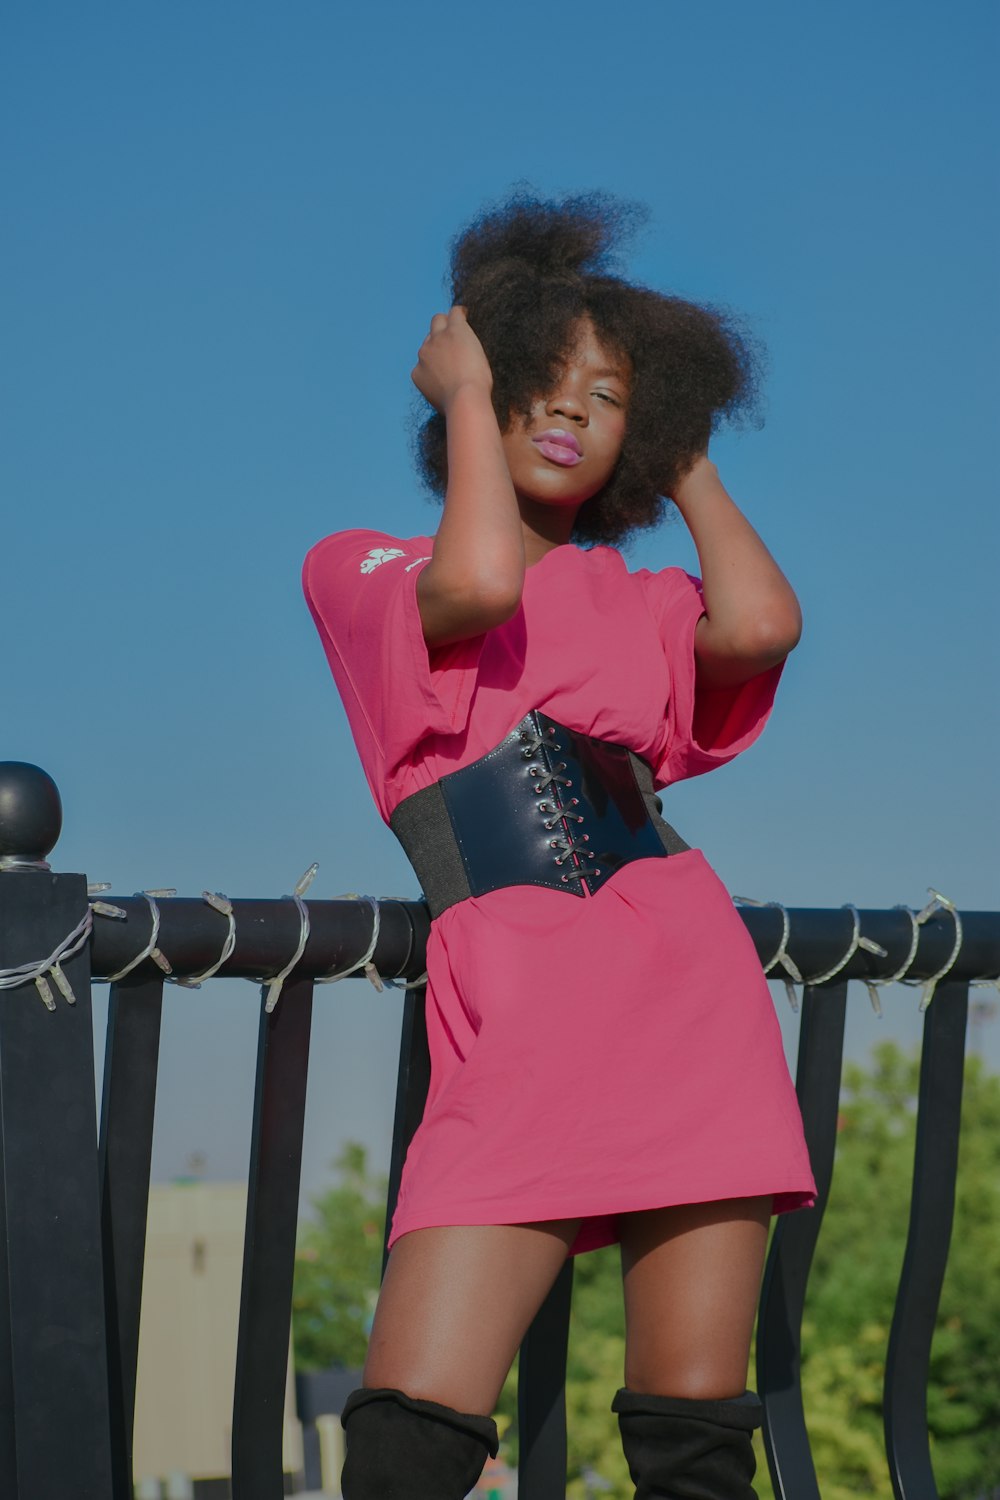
pixel 703 728
pixel 360 587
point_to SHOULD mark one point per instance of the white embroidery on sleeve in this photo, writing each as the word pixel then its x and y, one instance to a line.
pixel 414 563
pixel 379 555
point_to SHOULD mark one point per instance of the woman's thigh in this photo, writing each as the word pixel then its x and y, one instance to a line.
pixel 691 1276
pixel 455 1304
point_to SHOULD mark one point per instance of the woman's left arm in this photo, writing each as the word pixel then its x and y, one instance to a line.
pixel 752 617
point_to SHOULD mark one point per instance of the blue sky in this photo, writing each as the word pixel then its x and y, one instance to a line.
pixel 226 235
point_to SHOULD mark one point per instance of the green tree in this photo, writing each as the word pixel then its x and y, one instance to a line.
pixel 338 1266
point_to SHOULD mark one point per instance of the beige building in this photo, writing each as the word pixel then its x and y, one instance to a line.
pixel 187 1336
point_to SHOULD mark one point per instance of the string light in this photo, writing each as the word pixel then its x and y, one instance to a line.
pixel 274 985
pixel 39 971
pixel 917 919
pixel 223 905
pixel 36 971
pixel 150 950
pixel 874 985
pixel 365 962
pixel 792 975
pixel 857 941
pixel 936 904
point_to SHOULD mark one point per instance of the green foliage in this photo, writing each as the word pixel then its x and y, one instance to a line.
pixel 848 1311
pixel 338 1266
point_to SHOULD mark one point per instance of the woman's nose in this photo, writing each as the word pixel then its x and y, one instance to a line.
pixel 565 403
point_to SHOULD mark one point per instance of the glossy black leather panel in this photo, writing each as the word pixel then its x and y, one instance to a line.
pixel 547 806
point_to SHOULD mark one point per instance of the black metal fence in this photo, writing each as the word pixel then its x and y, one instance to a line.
pixel 73 1195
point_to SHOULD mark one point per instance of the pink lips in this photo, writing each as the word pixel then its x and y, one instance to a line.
pixel 561 447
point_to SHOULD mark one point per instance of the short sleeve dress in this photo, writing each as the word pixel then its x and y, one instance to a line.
pixel 595 1054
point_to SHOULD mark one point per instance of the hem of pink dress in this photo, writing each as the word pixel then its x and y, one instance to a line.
pixel 597 1228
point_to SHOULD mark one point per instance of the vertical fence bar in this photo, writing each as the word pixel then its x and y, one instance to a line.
pixel 932 1205
pixel 8 1444
pixel 541 1395
pixel 783 1291
pixel 412 1083
pixel 54 1296
pixel 131 1058
pixel 269 1247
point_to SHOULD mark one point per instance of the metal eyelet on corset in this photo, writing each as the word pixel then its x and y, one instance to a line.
pixel 557 810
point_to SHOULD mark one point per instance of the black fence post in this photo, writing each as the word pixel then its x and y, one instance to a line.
pixel 541 1394
pixel 932 1206
pixel 269 1246
pixel 412 1083
pixel 131 1059
pixel 55 1425
pixel 783 1292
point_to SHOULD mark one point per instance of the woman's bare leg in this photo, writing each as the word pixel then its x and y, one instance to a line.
pixel 455 1304
pixel 691 1277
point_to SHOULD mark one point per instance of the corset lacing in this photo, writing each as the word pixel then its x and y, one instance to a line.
pixel 551 779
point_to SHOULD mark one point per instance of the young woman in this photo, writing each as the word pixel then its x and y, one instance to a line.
pixel 606 1061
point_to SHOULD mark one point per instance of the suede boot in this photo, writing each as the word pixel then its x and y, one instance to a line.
pixel 682 1449
pixel 402 1448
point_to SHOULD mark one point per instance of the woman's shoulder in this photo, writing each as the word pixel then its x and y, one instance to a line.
pixel 361 549
pixel 365 538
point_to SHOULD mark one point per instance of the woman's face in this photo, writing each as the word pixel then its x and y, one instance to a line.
pixel 567 449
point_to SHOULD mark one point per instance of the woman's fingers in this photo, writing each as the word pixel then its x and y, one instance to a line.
pixel 450 356
pixel 441 320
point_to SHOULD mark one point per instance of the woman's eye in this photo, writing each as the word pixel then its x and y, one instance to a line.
pixel 604 395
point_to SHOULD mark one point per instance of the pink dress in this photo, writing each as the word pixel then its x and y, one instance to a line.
pixel 592 1054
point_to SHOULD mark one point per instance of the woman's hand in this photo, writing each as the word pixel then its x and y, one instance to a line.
pixel 451 358
pixel 700 469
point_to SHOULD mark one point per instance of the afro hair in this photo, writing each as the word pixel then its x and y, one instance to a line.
pixel 527 271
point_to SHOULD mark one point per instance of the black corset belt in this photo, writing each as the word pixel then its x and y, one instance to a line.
pixel 547 806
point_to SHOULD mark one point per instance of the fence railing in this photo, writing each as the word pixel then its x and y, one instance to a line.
pixel 73 1194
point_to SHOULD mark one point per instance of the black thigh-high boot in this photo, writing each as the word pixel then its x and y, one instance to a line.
pixel 402 1448
pixel 682 1449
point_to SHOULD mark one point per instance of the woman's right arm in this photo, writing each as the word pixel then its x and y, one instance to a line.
pixel 475 577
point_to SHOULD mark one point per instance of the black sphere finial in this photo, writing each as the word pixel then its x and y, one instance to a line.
pixel 30 815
